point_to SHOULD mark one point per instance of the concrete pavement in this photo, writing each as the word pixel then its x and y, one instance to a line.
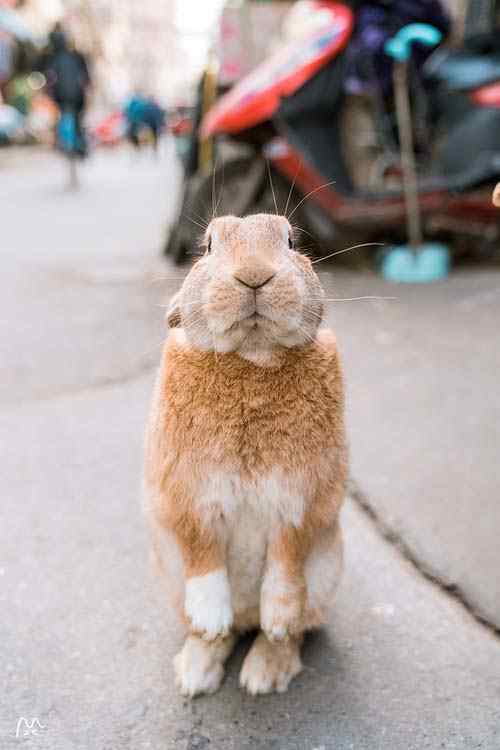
pixel 86 642
pixel 424 418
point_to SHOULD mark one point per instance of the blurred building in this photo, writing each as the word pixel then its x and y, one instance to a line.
pixel 40 15
pixel 158 46
pixel 132 45
pixel 248 33
pixel 161 46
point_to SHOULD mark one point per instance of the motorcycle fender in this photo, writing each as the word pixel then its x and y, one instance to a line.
pixel 257 96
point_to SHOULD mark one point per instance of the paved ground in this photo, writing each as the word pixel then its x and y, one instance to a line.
pixel 85 641
pixel 424 415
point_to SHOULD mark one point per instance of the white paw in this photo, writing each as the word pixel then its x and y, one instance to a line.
pixel 208 604
pixel 197 668
pixel 270 667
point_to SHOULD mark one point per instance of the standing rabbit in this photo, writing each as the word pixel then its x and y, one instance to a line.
pixel 246 458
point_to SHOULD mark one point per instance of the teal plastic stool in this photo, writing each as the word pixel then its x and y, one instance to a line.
pixel 418 262
pixel 430 263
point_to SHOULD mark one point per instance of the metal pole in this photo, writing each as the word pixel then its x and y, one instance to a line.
pixel 403 111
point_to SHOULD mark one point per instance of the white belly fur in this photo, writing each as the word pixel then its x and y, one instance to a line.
pixel 250 511
pixel 250 514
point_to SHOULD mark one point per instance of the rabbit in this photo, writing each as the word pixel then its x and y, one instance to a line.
pixel 246 456
pixel 496 195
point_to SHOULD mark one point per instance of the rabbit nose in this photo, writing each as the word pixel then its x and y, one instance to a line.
pixel 254 279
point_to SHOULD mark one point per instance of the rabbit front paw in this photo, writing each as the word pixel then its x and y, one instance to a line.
pixel 281 608
pixel 208 604
pixel 279 620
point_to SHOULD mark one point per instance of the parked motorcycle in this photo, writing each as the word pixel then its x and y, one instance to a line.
pixel 307 137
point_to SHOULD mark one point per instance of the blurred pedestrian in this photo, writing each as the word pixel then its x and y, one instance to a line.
pixel 68 80
pixel 144 113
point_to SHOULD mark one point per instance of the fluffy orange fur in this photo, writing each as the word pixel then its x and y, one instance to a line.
pixel 219 411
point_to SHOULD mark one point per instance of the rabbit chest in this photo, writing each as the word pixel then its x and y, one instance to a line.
pixel 229 417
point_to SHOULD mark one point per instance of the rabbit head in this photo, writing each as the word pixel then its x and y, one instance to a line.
pixel 251 292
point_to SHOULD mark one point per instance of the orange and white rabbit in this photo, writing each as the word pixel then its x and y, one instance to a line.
pixel 246 457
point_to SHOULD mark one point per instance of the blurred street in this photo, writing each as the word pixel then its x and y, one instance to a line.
pixel 86 643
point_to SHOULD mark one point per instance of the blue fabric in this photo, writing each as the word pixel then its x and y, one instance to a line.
pixel 69 136
pixel 144 111
pixel 66 132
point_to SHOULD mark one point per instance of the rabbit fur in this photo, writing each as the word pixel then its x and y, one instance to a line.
pixel 246 457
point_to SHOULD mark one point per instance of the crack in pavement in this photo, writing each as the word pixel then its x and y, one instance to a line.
pixel 395 540
pixel 100 383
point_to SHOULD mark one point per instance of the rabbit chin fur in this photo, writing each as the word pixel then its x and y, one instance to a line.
pixel 246 458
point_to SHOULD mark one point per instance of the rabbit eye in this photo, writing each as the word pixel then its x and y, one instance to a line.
pixel 290 241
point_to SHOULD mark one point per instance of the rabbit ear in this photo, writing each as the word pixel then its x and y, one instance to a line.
pixel 173 316
pixel 496 196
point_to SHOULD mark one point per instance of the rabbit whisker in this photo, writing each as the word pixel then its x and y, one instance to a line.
pixel 191 324
pixel 312 339
pixel 221 190
pixel 313 313
pixel 304 231
pixel 272 186
pixel 203 219
pixel 354 299
pixel 308 195
pixel 157 279
pixel 214 207
pixel 196 223
pixel 346 250
pixel 291 190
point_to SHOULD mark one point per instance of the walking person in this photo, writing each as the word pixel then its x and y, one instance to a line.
pixel 68 81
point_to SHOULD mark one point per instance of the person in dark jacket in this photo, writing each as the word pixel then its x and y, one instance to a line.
pixel 68 79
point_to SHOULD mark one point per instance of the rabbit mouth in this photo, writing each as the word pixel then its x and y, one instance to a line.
pixel 255 317
pixel 249 321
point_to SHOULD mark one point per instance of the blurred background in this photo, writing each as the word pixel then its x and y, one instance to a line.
pixel 124 127
pixel 129 48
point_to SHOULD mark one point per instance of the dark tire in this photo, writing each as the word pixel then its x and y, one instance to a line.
pixel 173 244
